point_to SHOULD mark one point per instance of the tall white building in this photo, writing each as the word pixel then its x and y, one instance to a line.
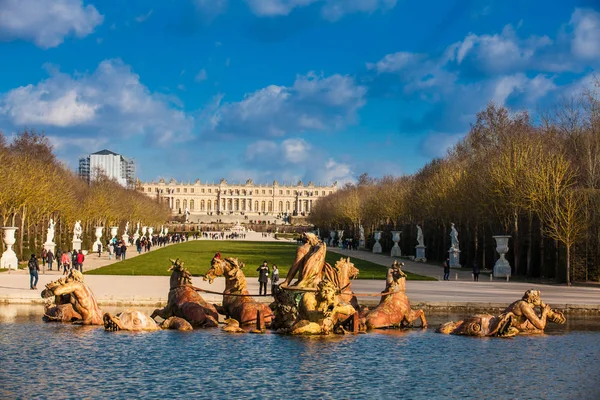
pixel 108 163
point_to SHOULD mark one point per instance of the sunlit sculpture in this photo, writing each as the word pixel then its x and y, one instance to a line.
pixel 394 307
pixel 133 320
pixel 519 317
pixel 237 302
pixel 73 301
pixel 185 302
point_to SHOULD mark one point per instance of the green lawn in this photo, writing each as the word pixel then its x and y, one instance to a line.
pixel 197 255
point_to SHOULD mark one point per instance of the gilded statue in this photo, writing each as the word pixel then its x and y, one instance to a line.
pixel 72 295
pixel 520 316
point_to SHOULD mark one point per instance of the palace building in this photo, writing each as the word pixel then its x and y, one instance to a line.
pixel 247 198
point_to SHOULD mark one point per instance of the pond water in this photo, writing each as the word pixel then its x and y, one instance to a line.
pixel 40 360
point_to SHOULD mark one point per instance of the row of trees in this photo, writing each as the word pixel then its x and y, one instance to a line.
pixel 35 186
pixel 536 180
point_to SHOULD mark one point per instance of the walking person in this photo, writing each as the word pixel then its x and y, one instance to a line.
pixel 66 262
pixel 50 259
pixel 274 280
pixel 446 269
pixel 59 254
pixel 74 259
pixel 263 278
pixel 123 250
pixel 33 272
pixel 475 271
pixel 43 257
pixel 80 259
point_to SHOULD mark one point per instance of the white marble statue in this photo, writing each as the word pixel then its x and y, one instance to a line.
pixel 187 215
pixel 454 237
pixel 126 227
pixel 420 236
pixel 362 232
pixel 137 229
pixel 50 237
pixel 77 230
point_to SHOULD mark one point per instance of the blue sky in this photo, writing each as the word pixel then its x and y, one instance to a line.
pixel 320 90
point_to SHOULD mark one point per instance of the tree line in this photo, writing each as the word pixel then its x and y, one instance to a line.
pixel 536 179
pixel 35 186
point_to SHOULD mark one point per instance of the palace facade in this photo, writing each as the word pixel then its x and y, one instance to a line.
pixel 247 198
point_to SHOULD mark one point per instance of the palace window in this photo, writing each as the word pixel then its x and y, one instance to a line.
pixel 192 204
pixel 270 192
pixel 184 190
pixel 323 193
pixel 149 190
pixel 177 205
pixel 192 190
pixel 209 205
pixel 178 190
pixel 287 192
pixel 263 192
pixel 287 206
pixel 330 192
pixel 256 206
pixel 202 190
pixel 280 206
pixel 184 204
pixel 270 206
pixel 281 192
pixel 202 205
pixel 209 190
pixel 263 205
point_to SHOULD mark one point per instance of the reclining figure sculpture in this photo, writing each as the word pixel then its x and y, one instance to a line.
pixel 518 317
pixel 73 301
pixel 133 320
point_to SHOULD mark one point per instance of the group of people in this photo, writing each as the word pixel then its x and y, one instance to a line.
pixel 263 278
pixel 446 265
pixel 116 247
pixel 67 260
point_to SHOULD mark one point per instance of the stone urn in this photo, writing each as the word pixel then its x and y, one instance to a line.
pixel 113 232
pixel 502 266
pixel 396 252
pixel 98 235
pixel 144 229
pixel 377 245
pixel 340 234
pixel 331 237
pixel 9 258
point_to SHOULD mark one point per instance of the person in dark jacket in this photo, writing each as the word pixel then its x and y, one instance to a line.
pixel 447 269
pixel 33 272
pixel 50 259
pixel 475 271
pixel 263 277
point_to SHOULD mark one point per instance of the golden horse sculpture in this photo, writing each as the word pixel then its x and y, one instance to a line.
pixel 237 302
pixel 73 301
pixel 519 317
pixel 185 302
pixel 394 307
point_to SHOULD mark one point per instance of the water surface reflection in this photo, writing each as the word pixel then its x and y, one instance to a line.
pixel 65 361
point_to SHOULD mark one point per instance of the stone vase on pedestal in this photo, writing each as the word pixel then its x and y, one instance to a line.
pixel 113 233
pixel 420 253
pixel 454 256
pixel 9 257
pixel 502 266
pixel 377 245
pixel 396 252
pixel 125 238
pixel 331 237
pixel 340 235
pixel 98 235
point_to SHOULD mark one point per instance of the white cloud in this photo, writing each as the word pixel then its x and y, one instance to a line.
pixel 46 23
pixel 292 160
pixel 586 34
pixel 201 75
pixel 110 101
pixel 499 53
pixel 313 102
pixel 331 10
pixel 144 17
